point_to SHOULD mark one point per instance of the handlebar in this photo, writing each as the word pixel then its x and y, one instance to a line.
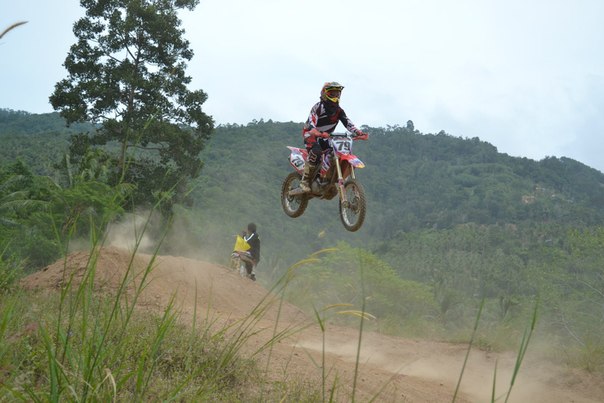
pixel 363 136
pixel 325 135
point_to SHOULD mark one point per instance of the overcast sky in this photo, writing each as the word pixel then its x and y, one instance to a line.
pixel 526 76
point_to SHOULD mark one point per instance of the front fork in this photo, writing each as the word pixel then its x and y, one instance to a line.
pixel 343 200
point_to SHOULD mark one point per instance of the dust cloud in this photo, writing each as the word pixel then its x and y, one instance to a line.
pixel 149 232
pixel 135 231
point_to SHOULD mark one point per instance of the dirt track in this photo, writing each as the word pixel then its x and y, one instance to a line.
pixel 400 370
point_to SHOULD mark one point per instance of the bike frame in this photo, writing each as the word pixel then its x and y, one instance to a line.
pixel 341 144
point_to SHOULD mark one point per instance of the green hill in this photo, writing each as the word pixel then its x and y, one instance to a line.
pixel 38 139
pixel 413 181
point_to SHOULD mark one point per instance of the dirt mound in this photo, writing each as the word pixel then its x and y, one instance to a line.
pixel 414 371
pixel 192 282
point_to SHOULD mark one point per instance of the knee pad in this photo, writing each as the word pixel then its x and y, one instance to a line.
pixel 312 157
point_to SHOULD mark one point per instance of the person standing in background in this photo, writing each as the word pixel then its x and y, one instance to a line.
pixel 253 239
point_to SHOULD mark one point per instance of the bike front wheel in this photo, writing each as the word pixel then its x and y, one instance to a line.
pixel 353 207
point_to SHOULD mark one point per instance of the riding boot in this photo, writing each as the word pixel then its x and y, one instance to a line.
pixel 309 168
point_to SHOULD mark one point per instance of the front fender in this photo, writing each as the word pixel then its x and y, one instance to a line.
pixel 352 160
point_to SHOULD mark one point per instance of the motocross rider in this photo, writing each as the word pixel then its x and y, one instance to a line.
pixel 322 121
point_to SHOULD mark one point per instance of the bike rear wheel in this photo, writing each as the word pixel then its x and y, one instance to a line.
pixel 295 205
pixel 235 262
pixel 352 212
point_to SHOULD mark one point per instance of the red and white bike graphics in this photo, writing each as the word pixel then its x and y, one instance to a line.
pixel 335 176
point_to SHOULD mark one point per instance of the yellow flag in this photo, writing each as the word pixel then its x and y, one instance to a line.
pixel 241 245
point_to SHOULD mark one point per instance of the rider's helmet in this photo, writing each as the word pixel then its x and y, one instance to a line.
pixel 251 227
pixel 331 92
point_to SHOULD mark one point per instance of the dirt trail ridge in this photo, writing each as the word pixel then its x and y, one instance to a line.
pixel 401 370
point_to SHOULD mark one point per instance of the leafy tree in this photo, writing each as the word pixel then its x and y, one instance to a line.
pixel 127 76
pixel 38 218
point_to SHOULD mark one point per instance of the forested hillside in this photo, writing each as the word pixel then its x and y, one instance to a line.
pixel 413 180
pixel 38 140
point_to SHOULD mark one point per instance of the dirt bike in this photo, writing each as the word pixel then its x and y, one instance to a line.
pixel 239 256
pixel 334 176
pixel 238 263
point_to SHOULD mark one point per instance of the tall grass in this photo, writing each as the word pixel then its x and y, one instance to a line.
pixel 321 316
pixel 463 367
pixel 90 346
pixel 530 329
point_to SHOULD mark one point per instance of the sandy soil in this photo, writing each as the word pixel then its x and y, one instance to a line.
pixel 400 370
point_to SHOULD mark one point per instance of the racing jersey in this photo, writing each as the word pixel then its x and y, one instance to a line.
pixel 254 241
pixel 325 119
